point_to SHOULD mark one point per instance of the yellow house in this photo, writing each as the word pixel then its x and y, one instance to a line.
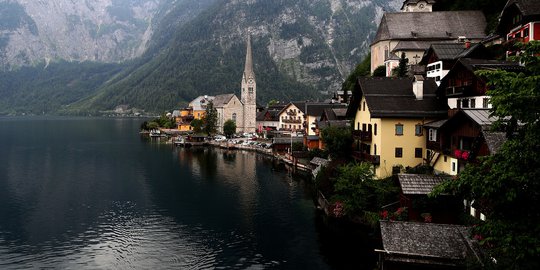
pixel 389 114
pixel 184 119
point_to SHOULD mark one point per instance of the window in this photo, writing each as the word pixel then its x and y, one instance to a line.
pixel 364 106
pixel 418 130
pixel 364 127
pixel 234 117
pixel 438 78
pixel 432 135
pixel 418 152
pixel 485 103
pixel 358 126
pixel 465 103
pixel 399 152
pixel 375 149
pixel 250 90
pixel 526 32
pixel 375 129
pixel 399 129
pixel 445 158
pixel 473 103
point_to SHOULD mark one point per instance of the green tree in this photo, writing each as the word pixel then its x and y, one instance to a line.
pixel 210 119
pixel 197 125
pixel 506 184
pixel 380 71
pixel 361 69
pixel 402 69
pixel 337 141
pixel 360 193
pixel 229 128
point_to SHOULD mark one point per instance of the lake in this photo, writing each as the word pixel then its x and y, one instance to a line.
pixel 90 193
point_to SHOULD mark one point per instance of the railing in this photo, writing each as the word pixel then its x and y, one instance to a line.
pixel 375 160
pixel 362 135
pixel 458 90
pixel 434 146
pixel 290 112
pixel 294 121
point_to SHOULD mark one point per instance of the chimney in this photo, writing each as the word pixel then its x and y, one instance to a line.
pixel 418 87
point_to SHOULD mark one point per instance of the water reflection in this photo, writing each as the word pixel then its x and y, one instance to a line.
pixel 89 194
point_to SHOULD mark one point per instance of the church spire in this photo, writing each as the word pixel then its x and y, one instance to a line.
pixel 248 69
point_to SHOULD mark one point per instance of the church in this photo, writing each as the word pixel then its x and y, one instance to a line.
pixel 243 110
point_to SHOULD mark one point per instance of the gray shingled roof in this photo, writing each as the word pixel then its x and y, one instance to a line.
pixel 442 25
pixel 319 161
pixel 419 184
pixel 451 51
pixel 494 140
pixel 394 97
pixel 426 243
pixel 222 100
pixel 527 7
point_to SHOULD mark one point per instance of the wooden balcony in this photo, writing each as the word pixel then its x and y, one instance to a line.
pixel 364 136
pixel 292 121
pixel 435 146
pixel 375 160
pixel 458 90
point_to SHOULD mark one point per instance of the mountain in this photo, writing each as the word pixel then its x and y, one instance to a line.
pixel 168 52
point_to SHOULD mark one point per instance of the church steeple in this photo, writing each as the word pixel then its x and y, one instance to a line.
pixel 248 68
pixel 249 91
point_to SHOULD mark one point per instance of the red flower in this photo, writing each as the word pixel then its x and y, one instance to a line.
pixel 478 237
pixel 384 214
pixel 465 155
pixel 457 153
pixel 428 219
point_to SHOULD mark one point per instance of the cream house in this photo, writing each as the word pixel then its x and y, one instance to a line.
pixel 389 114
pixel 416 27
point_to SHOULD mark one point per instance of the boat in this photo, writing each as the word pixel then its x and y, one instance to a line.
pixel 156 133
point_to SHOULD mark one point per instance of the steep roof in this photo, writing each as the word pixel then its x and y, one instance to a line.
pixel 393 97
pixel 441 25
pixel 222 100
pixel 419 184
pixel 427 243
pixel 527 7
pixel 199 103
pixel 248 67
pixel 494 140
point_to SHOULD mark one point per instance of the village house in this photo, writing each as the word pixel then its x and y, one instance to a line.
pixel 441 57
pixel 389 115
pixel 464 89
pixel 268 118
pixel 412 32
pixel 520 22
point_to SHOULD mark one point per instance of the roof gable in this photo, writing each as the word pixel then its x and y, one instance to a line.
pixel 221 101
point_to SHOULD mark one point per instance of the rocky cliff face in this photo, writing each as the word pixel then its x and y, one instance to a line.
pixel 317 42
pixel 98 30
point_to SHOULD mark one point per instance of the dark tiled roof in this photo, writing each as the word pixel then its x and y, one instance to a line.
pixel 448 51
pixel 287 140
pixel 442 25
pixel 436 124
pixel 394 97
pixel 494 140
pixel 527 7
pixel 319 161
pixel 480 64
pixel 421 184
pixel 426 243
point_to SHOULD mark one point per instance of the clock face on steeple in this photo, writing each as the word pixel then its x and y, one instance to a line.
pixel 250 80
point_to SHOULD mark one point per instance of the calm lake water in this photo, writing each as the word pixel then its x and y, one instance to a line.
pixel 82 193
